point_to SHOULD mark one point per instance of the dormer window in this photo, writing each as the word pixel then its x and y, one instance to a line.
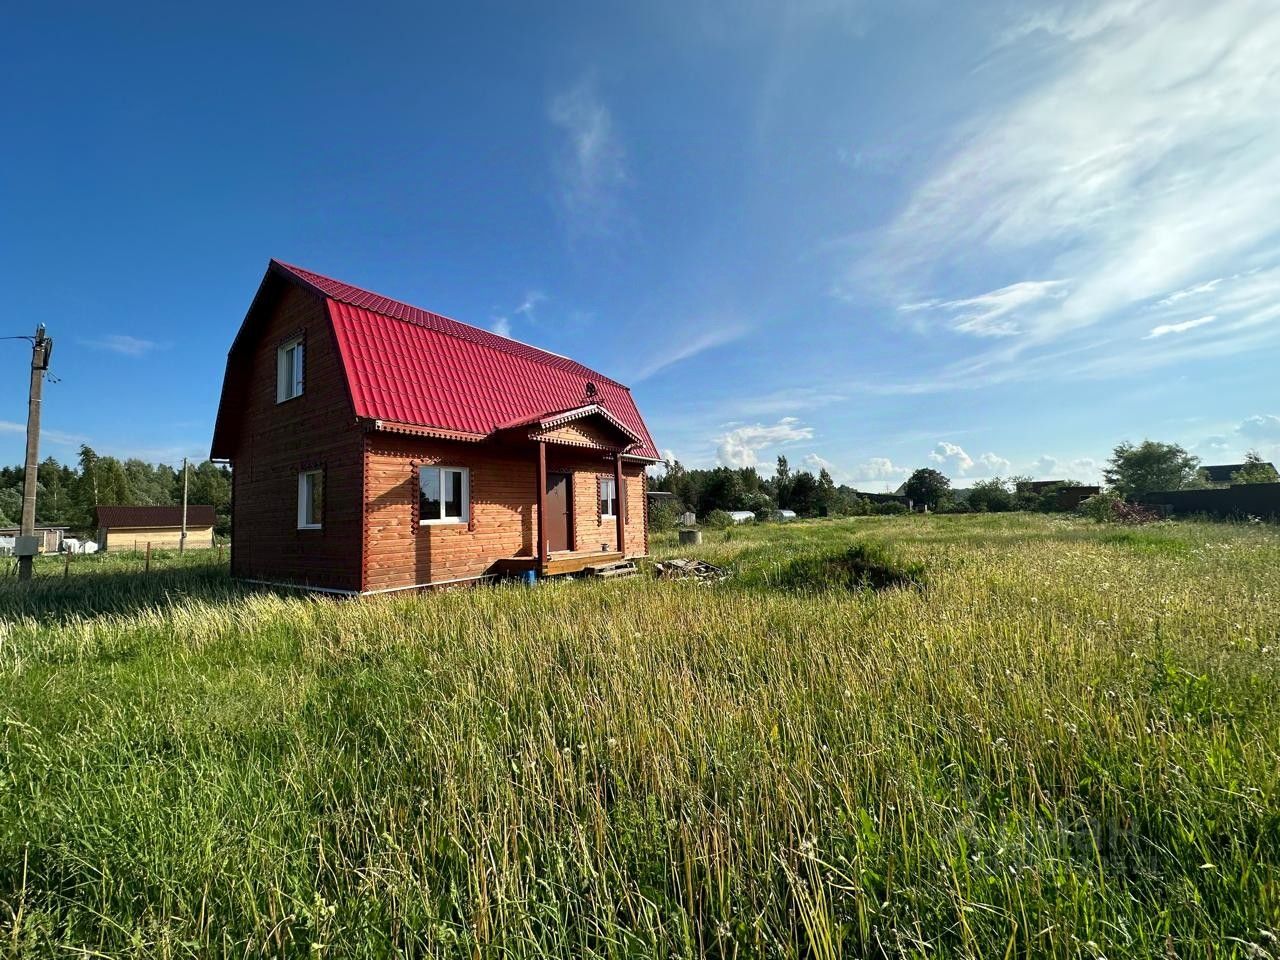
pixel 289 370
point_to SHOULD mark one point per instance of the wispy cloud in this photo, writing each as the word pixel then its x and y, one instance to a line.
pixel 1141 157
pixel 690 348
pixel 742 445
pixel 993 314
pixel 1199 288
pixel 46 435
pixel 786 400
pixel 591 163
pixel 1164 329
pixel 501 326
pixel 123 344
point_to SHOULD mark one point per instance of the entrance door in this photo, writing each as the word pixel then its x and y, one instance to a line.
pixel 559 523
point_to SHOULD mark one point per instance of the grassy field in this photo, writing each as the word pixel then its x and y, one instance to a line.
pixel 1040 738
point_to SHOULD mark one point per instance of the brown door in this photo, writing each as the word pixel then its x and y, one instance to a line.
pixel 559 527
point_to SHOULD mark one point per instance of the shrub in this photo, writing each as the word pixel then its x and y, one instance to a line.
pixel 1101 507
pixel 860 567
pixel 890 508
pixel 665 515
pixel 717 520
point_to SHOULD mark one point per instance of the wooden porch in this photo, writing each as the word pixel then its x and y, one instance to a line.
pixel 557 562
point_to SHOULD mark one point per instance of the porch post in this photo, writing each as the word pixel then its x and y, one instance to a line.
pixel 540 549
pixel 619 512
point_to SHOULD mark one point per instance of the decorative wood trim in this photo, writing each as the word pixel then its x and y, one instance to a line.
pixel 620 510
pixel 540 548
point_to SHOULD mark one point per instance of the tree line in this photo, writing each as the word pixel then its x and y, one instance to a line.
pixel 67 494
pixel 724 489
pixel 1133 469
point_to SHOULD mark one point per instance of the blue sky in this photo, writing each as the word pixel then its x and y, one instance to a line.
pixel 990 237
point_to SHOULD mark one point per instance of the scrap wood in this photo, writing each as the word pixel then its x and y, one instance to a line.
pixel 682 569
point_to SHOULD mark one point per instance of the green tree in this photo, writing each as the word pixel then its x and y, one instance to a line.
pixel 1150 466
pixel 1255 470
pixel 782 483
pixel 928 486
pixel 827 497
pixel 991 496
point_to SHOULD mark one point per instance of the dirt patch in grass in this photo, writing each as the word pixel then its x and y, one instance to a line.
pixel 864 566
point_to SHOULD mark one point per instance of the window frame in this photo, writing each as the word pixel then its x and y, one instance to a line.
pixel 441 469
pixel 304 501
pixel 298 345
pixel 602 500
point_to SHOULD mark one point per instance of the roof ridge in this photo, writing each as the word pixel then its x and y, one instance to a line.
pixel 485 338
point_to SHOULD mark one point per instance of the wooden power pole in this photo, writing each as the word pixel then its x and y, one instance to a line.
pixel 26 546
pixel 182 541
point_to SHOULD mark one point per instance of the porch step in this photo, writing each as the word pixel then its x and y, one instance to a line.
pixel 619 568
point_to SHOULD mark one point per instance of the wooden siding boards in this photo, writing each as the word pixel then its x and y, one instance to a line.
pixel 277 441
pixel 585 433
pixel 401 553
pixel 160 538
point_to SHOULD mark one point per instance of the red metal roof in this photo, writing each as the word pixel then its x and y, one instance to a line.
pixel 411 366
pixel 117 515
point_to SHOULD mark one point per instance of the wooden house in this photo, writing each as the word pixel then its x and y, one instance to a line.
pixel 122 527
pixel 377 446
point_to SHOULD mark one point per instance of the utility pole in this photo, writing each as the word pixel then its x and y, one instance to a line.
pixel 182 542
pixel 26 546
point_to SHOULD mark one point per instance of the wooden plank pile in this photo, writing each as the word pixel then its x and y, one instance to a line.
pixel 697 570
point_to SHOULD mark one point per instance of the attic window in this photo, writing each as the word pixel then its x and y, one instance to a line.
pixel 289 370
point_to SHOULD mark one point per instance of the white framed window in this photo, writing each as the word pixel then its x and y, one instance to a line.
pixel 310 499
pixel 608 498
pixel 444 495
pixel 289 364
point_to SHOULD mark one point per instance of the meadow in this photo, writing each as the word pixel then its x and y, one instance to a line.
pixel 948 736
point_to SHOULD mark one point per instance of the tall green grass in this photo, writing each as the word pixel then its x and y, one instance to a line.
pixel 1061 743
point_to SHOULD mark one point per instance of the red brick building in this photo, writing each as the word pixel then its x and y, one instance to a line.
pixel 377 446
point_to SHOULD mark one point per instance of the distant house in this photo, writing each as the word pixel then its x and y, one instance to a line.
pixel 123 527
pixel 1223 472
pixel 52 537
pixel 378 447
pixel 1068 496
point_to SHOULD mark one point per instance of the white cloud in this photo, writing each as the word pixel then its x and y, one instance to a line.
pixel 689 348
pixel 1138 156
pixel 123 344
pixel 954 458
pixel 816 464
pixel 993 464
pixel 1044 467
pixel 951 455
pixel 1199 288
pixel 993 314
pixel 1085 469
pixel 591 165
pixel 1165 329
pixel 1264 427
pixel 530 303
pixel 501 326
pixel 879 468
pixel 741 446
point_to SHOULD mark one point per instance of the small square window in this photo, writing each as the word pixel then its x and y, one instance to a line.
pixel 289 364
pixel 444 495
pixel 310 499
pixel 608 498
